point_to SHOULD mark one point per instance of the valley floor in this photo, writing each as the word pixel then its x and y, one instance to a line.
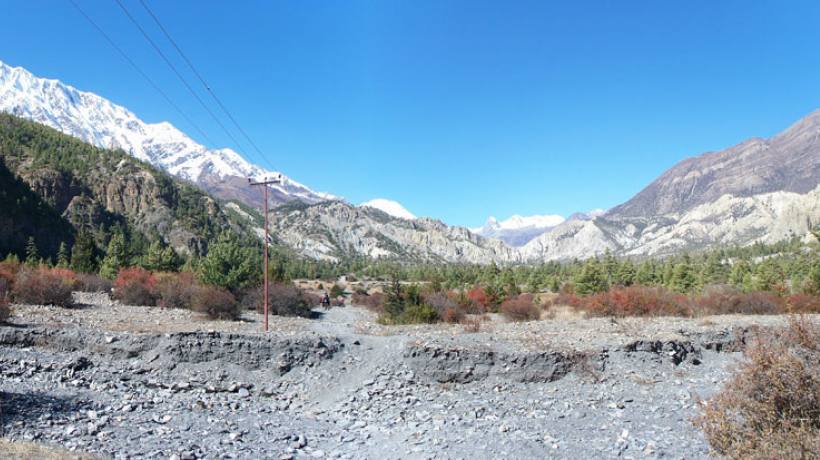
pixel 135 382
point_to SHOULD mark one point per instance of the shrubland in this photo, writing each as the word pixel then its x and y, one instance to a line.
pixel 771 406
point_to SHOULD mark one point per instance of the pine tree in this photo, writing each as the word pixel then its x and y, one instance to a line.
pixel 646 274
pixel 115 258
pixel 625 275
pixel 82 253
pixel 32 254
pixel 683 278
pixel 160 257
pixel 739 271
pixel 62 256
pixel 228 264
pixel 592 278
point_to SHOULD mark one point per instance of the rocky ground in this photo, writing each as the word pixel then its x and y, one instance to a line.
pixel 136 382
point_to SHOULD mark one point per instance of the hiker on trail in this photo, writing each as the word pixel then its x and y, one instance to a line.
pixel 326 300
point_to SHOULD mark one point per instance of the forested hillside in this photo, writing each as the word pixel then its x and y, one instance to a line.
pixel 55 187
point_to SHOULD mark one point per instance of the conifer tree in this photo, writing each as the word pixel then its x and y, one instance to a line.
pixel 116 256
pixel 228 264
pixel 62 256
pixel 683 277
pixel 82 253
pixel 32 254
pixel 592 278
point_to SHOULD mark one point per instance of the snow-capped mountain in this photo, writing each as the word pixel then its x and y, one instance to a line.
pixel 390 207
pixel 518 230
pixel 98 121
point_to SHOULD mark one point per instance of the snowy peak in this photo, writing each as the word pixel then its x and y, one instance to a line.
pixel 98 121
pixel 518 230
pixel 389 207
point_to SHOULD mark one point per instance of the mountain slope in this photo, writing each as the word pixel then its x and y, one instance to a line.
pixel 789 161
pixel 759 190
pixel 74 185
pixel 104 124
pixel 335 230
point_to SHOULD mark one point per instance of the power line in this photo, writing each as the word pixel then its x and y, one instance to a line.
pixel 140 71
pixel 204 83
pixel 179 75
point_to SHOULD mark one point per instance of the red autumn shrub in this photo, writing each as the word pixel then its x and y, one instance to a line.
pixel 215 303
pixel 135 286
pixel 723 300
pixel 174 290
pixel 520 308
pixel 42 286
pixel 67 275
pixel 479 301
pixel 635 301
pixel 803 303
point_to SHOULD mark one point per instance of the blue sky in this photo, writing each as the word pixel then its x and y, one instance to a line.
pixel 457 109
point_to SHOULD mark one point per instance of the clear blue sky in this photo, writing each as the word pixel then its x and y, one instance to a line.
pixel 457 109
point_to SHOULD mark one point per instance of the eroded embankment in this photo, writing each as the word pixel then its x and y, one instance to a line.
pixel 461 365
pixel 432 362
pixel 249 352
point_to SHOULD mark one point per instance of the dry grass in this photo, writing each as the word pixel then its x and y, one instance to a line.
pixel 771 406
pixel 20 450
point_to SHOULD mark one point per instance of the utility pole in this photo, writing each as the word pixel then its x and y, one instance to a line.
pixel 264 184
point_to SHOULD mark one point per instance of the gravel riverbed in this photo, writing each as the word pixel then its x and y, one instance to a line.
pixel 135 382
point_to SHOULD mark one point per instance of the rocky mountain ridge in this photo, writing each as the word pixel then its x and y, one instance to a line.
pixel 100 122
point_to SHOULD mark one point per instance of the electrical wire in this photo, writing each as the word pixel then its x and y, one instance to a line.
pixel 204 83
pixel 141 72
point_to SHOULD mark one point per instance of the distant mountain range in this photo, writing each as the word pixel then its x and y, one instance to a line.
pixel 517 230
pixel 104 124
pixel 758 190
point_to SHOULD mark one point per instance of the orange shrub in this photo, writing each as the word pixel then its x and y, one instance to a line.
pixel 478 300
pixel 135 286
pixel 43 286
pixel 521 308
pixel 635 301
pixel 452 315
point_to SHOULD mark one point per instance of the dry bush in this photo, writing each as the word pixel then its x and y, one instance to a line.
pixel 373 302
pixel 723 300
pixel 174 290
pixel 215 302
pixel 88 282
pixel 635 301
pixel 8 271
pixel 771 406
pixel 135 286
pixel 5 309
pixel 43 286
pixel 471 324
pixel 283 299
pixel 452 315
pixel 521 308
pixel 448 310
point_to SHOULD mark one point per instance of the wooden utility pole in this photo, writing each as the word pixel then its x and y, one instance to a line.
pixel 265 184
